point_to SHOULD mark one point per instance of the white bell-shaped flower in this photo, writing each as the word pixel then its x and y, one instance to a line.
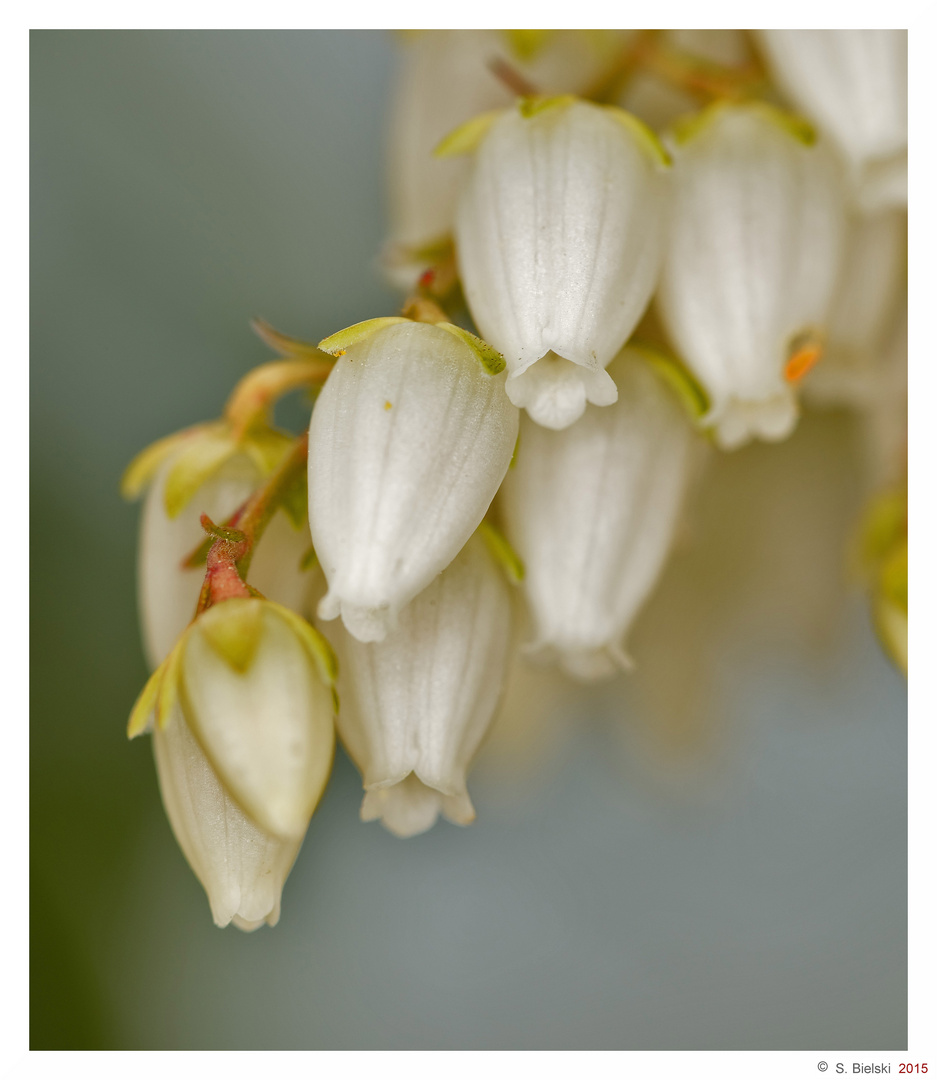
pixel 416 705
pixel 559 235
pixel 854 85
pixel 254 683
pixel 241 866
pixel 445 78
pixel 865 307
pixel 592 512
pixel 752 258
pixel 409 441
pixel 168 592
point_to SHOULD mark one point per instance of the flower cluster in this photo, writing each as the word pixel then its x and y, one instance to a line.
pixel 661 261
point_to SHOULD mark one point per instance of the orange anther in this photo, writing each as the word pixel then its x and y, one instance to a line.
pixel 426 278
pixel 802 360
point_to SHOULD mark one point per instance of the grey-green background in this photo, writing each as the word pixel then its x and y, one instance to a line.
pixel 180 183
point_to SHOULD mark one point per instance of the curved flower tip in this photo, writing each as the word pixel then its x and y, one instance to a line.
pixel 241 866
pixel 738 422
pixel 595 664
pixel 362 622
pixel 410 807
pixel 554 391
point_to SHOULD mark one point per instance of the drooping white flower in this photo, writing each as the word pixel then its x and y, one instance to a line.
pixel 241 866
pixel 253 692
pixel 559 235
pixel 854 85
pixel 752 259
pixel 168 592
pixel 242 718
pixel 416 705
pixel 592 512
pixel 409 441
pixel 445 78
pixel 864 308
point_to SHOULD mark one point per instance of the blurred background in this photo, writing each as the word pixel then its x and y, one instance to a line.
pixel 711 855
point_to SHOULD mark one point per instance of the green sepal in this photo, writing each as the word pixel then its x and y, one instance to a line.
pixel 142 712
pixel 517 442
pixel 195 466
pixel 467 137
pixel 891 625
pixel 502 551
pixel 525 44
pixel 338 344
pixel 295 502
pixel 168 693
pixel 490 359
pixel 691 394
pixel 688 127
pixel 282 343
pixel 233 628
pixel 893 578
pixel 316 645
pixel 646 138
pixel 885 522
pixel 310 560
pixel 534 104
pixel 140 472
pixel 266 447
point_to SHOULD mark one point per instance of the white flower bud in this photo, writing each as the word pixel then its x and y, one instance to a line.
pixel 854 85
pixel 864 308
pixel 168 593
pixel 592 512
pixel 409 441
pixel 751 263
pixel 559 239
pixel 241 866
pixel 445 79
pixel 416 705
pixel 254 688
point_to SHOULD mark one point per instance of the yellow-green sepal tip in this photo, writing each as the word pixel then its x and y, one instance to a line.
pixel 646 138
pixel 466 138
pixel 140 472
pixel 691 394
pixel 141 715
pixel 318 648
pixel 525 44
pixel 195 466
pixel 233 630
pixel 338 344
pixel 534 104
pixel 490 359
pixel 689 127
pixel 506 557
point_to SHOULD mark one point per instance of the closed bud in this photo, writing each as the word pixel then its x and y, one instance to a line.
pixel 206 474
pixel 416 705
pixel 592 512
pixel 559 235
pixel 255 689
pixel 409 441
pixel 854 85
pixel 242 718
pixel 241 866
pixel 751 263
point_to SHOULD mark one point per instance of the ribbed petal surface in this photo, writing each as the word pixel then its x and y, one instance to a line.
pixel 443 81
pixel 409 442
pixel 752 258
pixel 559 238
pixel 241 866
pixel 268 730
pixel 592 511
pixel 416 705
pixel 854 85
pixel 167 594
